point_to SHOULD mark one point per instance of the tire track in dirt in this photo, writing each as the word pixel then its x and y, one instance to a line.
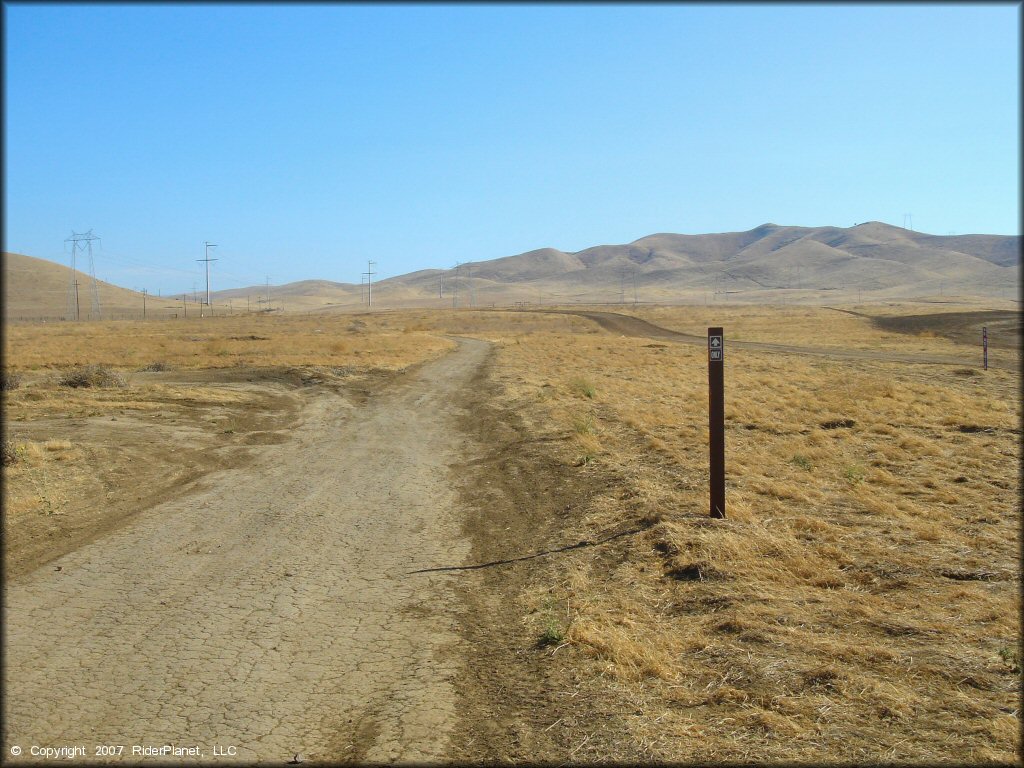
pixel 627 325
pixel 270 610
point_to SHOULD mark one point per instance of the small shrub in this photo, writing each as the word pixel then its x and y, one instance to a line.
pixel 583 387
pixel 838 424
pixel 853 474
pixel 1010 657
pixel 158 366
pixel 583 425
pixel 553 633
pixel 92 376
pixel 803 462
pixel 10 453
pixel 9 380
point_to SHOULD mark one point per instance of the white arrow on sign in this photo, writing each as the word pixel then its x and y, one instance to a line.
pixel 716 341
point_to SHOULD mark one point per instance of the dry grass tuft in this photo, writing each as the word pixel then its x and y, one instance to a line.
pixel 92 376
pixel 9 380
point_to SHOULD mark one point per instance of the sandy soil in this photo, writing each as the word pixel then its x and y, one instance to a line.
pixel 271 608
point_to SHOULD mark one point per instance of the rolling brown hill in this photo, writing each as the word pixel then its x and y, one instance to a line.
pixel 769 263
pixel 37 289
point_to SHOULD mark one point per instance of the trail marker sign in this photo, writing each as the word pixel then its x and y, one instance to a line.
pixel 715 348
pixel 716 419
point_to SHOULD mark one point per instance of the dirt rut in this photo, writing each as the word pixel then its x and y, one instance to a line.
pixel 270 611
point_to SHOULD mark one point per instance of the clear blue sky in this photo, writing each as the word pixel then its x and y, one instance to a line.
pixel 305 139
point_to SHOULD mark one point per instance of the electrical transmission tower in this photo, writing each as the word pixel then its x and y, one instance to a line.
pixel 369 280
pixel 207 260
pixel 74 308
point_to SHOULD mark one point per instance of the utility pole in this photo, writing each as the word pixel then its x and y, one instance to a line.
pixel 143 303
pixel 77 308
pixel 472 293
pixel 369 281
pixel 208 260
pixel 268 293
pixel 455 291
pixel 184 304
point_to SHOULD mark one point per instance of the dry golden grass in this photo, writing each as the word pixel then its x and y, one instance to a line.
pixel 860 603
pixel 360 341
pixel 37 481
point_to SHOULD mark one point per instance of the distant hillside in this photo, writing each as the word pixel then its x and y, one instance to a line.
pixel 37 288
pixel 769 263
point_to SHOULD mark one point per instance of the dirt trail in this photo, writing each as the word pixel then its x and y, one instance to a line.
pixel 271 610
pixel 627 325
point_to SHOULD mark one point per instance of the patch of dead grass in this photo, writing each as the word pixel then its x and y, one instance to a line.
pixel 220 342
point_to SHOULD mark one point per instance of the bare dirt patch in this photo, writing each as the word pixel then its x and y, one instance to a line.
pixel 128 450
pixel 1004 327
pixel 270 607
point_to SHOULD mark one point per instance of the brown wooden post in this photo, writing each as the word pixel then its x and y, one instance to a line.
pixel 716 418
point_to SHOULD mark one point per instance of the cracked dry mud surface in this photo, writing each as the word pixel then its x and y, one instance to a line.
pixel 270 608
